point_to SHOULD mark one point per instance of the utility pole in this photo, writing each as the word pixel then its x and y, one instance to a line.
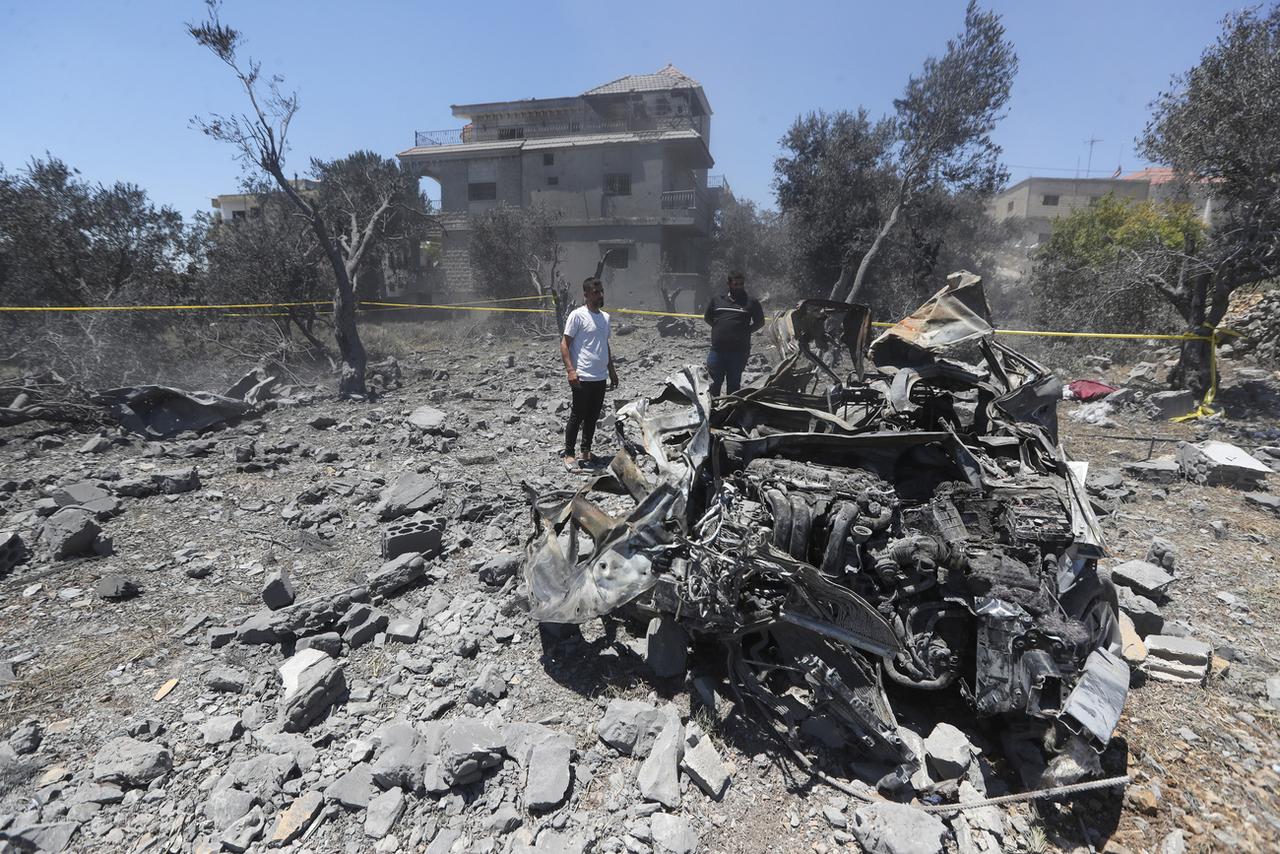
pixel 1091 142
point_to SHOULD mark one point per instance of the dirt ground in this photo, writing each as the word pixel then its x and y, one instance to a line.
pixel 1204 760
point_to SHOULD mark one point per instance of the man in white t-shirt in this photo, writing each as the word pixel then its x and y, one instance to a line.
pixel 584 347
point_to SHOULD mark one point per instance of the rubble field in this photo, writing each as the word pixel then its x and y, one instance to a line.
pixel 305 630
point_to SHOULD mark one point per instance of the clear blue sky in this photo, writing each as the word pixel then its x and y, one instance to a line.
pixel 110 87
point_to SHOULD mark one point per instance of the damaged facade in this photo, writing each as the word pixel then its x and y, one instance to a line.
pixel 861 530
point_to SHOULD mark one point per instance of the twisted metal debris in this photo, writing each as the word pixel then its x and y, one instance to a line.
pixel 894 515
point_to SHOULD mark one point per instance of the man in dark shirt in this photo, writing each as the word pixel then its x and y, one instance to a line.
pixel 733 317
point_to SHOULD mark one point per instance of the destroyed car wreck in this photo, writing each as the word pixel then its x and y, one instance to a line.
pixel 897 518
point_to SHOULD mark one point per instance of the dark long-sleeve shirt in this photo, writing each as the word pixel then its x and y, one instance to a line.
pixel 732 321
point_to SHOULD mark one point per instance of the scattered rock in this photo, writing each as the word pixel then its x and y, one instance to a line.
pixel 277 589
pixel 659 776
pixel 290 823
pixel 703 765
pixel 130 762
pixel 228 680
pixel 489 686
pixel 673 834
pixel 312 681
pixel 884 827
pixel 948 751
pixel 1177 659
pixel 411 493
pixel 221 728
pixel 383 813
pixel 115 587
pixel 69 532
pixel 548 776
pixel 630 726
pixel 1143 578
pixel 354 789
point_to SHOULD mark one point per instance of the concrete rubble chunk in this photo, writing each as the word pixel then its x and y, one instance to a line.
pixel 411 493
pixel 548 774
pixel 948 752
pixel 666 648
pixel 884 827
pixel 659 776
pixel 241 835
pixel 354 789
pixel 130 762
pixel 1262 500
pixel 396 574
pixel 1163 405
pixel 497 569
pixel 383 813
pixel 420 534
pixel 489 686
pixel 87 495
pixel 630 726
pixel 428 419
pixel 312 681
pixel 1142 577
pixel 277 589
pixel 1145 614
pixel 673 834
pixel 360 633
pixel 1157 470
pixel 69 532
pixel 469 748
pixel 13 551
pixel 293 821
pixel 176 481
pixel 404 629
pixel 703 765
pixel 1132 649
pixel 1177 659
pixel 1220 464
pixel 227 680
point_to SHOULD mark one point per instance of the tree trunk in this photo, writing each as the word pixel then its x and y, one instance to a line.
pixel 350 348
pixel 1195 368
pixel 856 291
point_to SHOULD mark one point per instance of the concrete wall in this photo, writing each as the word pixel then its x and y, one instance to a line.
pixel 637 286
pixel 580 174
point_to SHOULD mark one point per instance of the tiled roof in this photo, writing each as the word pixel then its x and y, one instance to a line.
pixel 665 78
pixel 1154 174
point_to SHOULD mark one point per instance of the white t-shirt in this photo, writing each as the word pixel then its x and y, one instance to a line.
pixel 589 349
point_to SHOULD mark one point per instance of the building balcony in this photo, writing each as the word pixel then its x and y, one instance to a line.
pixel 579 126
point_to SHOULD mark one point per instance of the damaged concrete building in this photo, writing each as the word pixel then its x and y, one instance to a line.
pixel 623 166
pixel 863 531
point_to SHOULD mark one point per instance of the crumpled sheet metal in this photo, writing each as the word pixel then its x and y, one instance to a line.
pixel 158 411
pixel 953 315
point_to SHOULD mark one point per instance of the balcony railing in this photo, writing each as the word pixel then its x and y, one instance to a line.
pixel 560 127
pixel 674 200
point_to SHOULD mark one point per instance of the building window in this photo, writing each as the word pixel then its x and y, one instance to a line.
pixel 484 191
pixel 510 133
pixel 617 185
pixel 235 215
pixel 548 158
pixel 662 106
pixel 619 256
pixel 1049 201
pixel 553 181
pixel 1009 207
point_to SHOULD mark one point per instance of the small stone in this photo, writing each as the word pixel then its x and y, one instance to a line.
pixel 220 729
pixel 703 765
pixel 239 836
pixel 884 827
pixel 489 686
pixel 1143 578
pixel 659 773
pixel 228 680
pixel 548 777
pixel 312 681
pixel 227 806
pixel 630 726
pixel 949 752
pixel 116 587
pixel 672 834
pixel 404 629
pixel 277 589
pixel 354 789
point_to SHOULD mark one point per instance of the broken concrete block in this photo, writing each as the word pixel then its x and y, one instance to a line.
pixel 659 776
pixel 1158 470
pixel 1144 578
pixel 312 681
pixel 428 419
pixel 666 647
pixel 884 827
pixel 948 751
pixel 130 762
pixel 396 574
pixel 1163 405
pixel 1220 464
pixel 277 589
pixel 1177 659
pixel 420 534
pixel 411 493
pixel 1145 614
pixel 69 532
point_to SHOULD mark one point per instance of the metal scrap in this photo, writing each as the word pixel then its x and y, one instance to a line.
pixel 841 526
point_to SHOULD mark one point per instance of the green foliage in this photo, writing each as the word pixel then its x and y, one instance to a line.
pixel 1096 266
pixel 506 243
pixel 749 239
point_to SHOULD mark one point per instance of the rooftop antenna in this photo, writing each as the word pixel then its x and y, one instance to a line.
pixel 1091 142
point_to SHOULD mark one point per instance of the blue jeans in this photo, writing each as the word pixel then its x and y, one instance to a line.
pixel 726 367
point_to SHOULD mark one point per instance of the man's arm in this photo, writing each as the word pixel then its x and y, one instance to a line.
pixel 613 374
pixel 709 314
pixel 566 341
pixel 757 316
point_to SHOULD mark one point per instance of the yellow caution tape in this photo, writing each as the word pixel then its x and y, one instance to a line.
pixel 161 307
